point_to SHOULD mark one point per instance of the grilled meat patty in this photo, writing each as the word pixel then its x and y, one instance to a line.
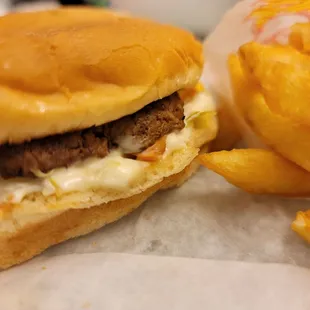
pixel 132 133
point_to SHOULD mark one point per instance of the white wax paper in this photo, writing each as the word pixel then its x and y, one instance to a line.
pixel 118 281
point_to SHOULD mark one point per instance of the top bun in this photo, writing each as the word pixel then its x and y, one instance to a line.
pixel 73 68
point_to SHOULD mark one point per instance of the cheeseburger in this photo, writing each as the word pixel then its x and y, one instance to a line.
pixel 98 111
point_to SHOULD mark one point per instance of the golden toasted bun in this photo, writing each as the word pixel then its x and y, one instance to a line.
pixel 69 69
pixel 33 239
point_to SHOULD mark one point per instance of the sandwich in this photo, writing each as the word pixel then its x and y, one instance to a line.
pixel 98 111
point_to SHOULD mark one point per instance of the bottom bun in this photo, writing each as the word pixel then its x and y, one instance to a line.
pixel 32 240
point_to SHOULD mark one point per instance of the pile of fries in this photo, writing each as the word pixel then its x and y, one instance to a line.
pixel 271 85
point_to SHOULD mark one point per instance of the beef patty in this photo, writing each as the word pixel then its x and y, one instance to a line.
pixel 136 132
pixel 132 133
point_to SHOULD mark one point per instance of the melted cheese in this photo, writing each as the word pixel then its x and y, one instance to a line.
pixel 177 141
pixel 200 103
pixel 112 172
pixel 14 190
pixel 129 145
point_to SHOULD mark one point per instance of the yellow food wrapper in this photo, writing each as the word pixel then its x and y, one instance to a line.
pixel 263 21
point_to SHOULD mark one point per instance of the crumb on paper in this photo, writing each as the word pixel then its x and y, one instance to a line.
pixel 44 268
pixel 301 225
pixel 94 243
pixel 86 305
pixel 146 217
pixel 153 245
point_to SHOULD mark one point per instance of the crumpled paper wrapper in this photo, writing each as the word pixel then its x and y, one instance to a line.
pixel 122 281
pixel 264 21
pixel 228 232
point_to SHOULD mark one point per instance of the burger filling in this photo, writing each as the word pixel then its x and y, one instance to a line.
pixel 113 156
pixel 132 134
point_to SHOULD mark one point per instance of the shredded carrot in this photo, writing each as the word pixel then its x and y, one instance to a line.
pixel 188 93
pixel 199 87
pixel 10 198
pixel 6 210
pixel 154 152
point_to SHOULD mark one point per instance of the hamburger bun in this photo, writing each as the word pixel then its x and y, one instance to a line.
pixel 90 64
pixel 72 69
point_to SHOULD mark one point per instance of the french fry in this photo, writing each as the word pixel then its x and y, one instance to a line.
pixel 228 134
pixel 301 225
pixel 282 75
pixel 243 90
pixel 271 86
pixel 300 37
pixel 280 133
pixel 259 171
pixel 286 137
